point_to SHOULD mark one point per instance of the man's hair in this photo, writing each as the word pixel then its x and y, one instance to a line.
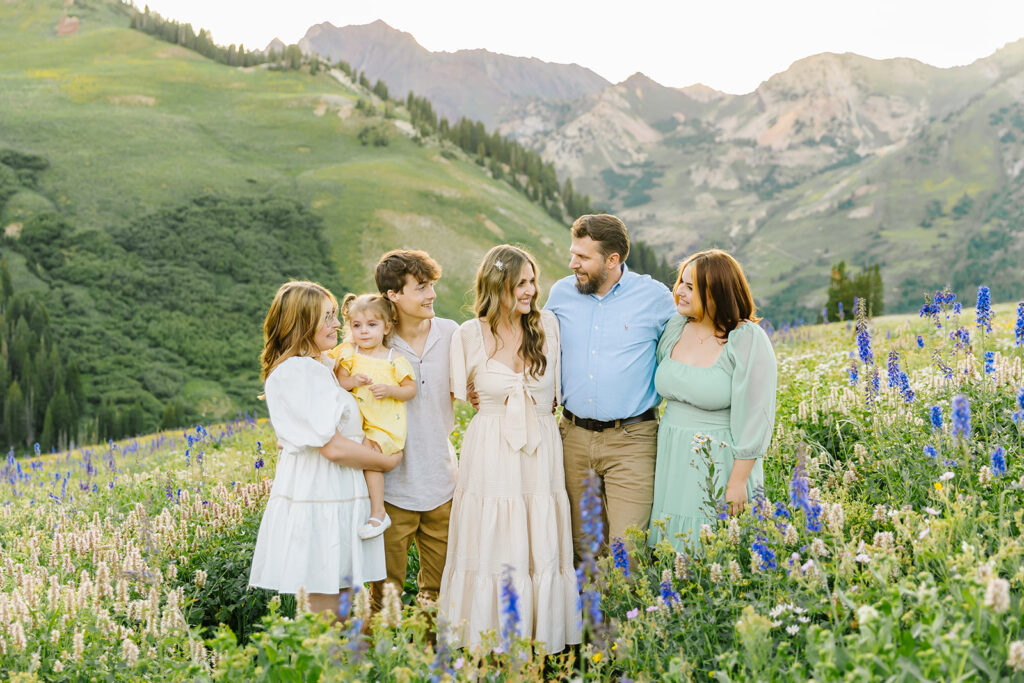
pixel 608 231
pixel 396 264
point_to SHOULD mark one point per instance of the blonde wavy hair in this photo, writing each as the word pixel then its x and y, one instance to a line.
pixel 292 322
pixel 375 304
pixel 496 280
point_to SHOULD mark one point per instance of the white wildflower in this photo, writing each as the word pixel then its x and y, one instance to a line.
pixel 946 476
pixel 863 558
pixel 200 578
pixel 1015 660
pixel 930 510
pixel 849 476
pixel 791 537
pixel 866 614
pixel 997 595
pixel 391 605
pixel 361 605
pixel 301 601
pixel 984 475
pixel 884 540
pixel 706 535
pixel 879 514
pixel 734 531
pixel 129 652
pixel 715 573
pixel 792 629
pixel 818 548
pixel 735 573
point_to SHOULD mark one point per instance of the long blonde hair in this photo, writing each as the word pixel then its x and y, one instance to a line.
pixel 292 323
pixel 496 278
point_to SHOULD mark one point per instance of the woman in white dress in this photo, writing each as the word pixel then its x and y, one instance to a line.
pixel 510 511
pixel 308 537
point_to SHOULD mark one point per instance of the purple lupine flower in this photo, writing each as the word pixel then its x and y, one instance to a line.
pixel 509 610
pixel 620 556
pixel 961 417
pixel 998 459
pixel 984 310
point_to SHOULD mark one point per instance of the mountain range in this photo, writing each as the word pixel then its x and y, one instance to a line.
pixel 840 157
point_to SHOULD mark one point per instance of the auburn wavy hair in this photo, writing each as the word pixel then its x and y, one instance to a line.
pixel 292 322
pixel 722 290
pixel 496 280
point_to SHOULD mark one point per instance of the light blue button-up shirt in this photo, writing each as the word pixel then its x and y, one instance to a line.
pixel 608 345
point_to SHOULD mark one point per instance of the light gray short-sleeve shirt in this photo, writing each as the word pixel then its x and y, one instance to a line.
pixel 425 477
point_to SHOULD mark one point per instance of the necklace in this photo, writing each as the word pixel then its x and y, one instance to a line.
pixel 699 339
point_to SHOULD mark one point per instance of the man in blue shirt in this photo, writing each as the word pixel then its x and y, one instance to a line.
pixel 610 320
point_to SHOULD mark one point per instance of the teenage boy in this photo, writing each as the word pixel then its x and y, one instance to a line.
pixel 418 492
pixel 610 321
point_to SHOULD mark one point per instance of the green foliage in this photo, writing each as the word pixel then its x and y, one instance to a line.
pixel 377 134
pixel 842 289
pixel 644 259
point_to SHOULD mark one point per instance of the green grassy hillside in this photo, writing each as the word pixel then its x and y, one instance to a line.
pixel 134 130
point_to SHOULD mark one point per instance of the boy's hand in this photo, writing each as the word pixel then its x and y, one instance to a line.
pixel 381 390
pixel 362 379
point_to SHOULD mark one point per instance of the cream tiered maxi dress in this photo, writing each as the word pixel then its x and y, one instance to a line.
pixel 510 507
pixel 308 536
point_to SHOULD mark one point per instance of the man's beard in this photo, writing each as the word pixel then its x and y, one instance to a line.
pixel 592 284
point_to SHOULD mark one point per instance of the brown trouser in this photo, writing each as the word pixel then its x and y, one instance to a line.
pixel 429 529
pixel 623 459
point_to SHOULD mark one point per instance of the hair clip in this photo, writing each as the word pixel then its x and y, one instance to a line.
pixel 499 265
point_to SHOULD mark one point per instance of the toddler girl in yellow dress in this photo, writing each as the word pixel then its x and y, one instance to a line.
pixel 381 382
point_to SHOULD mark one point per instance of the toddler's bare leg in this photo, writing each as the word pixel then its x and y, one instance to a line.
pixel 375 486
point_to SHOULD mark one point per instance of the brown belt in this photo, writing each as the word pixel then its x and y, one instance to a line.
pixel 601 425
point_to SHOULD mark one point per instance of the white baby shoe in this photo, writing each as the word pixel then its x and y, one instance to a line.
pixel 368 530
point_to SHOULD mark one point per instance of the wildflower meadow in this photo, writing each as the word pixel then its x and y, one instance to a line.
pixel 887 544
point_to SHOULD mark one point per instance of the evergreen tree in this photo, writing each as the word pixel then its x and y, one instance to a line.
pixel 14 416
pixel 48 439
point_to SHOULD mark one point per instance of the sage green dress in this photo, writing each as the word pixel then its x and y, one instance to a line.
pixel 733 402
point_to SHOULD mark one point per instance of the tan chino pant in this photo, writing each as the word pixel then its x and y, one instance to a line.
pixel 623 459
pixel 429 529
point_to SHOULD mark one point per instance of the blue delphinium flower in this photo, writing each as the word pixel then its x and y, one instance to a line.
pixel 871 387
pixel 852 371
pixel 764 552
pixel 998 459
pixel 839 311
pixel 905 389
pixel 1018 415
pixel 961 338
pixel 957 307
pixel 984 310
pixel 667 592
pixel 893 369
pixel 509 609
pixel 990 362
pixel 961 417
pixel 35 446
pixel 799 488
pixel 1018 331
pixel 920 342
pixel 620 556
pixel 864 344
pixel 780 510
pixel 935 415
pixel 824 314
pixel 930 451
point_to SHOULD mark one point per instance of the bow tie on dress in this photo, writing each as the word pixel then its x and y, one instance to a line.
pixel 522 429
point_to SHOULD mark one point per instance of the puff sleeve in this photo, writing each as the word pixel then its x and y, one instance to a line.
pixel 343 354
pixel 458 367
pixel 402 369
pixel 669 337
pixel 754 381
pixel 305 402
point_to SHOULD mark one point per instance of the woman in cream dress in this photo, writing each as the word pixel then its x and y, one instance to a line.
pixel 510 512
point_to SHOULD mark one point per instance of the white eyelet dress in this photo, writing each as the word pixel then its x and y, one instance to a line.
pixel 308 536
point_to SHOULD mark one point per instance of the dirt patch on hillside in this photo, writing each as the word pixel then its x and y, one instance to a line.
pixel 67 25
pixel 13 230
pixel 171 52
pixel 133 100
pixel 491 225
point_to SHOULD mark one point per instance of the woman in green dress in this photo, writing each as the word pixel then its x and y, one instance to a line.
pixel 717 370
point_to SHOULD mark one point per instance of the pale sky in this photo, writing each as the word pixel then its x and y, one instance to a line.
pixel 730 45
